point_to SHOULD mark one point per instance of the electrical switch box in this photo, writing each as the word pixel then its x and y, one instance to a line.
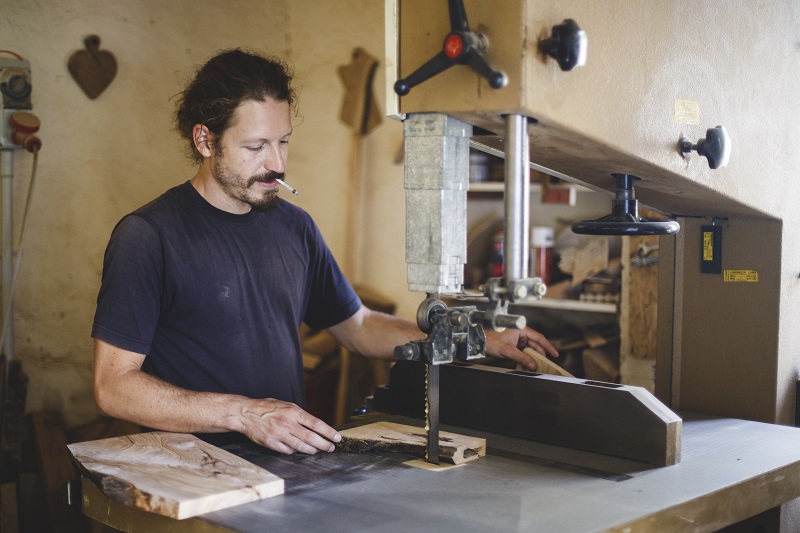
pixel 15 84
pixel 711 254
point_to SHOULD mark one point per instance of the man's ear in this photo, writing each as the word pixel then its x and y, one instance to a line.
pixel 203 140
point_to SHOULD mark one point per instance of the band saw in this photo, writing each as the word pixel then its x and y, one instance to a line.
pixel 437 149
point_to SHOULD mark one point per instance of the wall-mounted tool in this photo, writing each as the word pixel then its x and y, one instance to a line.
pixel 716 147
pixel 461 47
pixel 624 218
pixel 567 44
pixel 92 69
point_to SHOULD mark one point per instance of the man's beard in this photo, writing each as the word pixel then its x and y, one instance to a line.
pixel 232 185
pixel 270 198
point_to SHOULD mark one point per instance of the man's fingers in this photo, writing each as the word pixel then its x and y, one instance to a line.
pixel 320 428
pixel 528 362
pixel 286 428
pixel 311 442
pixel 301 444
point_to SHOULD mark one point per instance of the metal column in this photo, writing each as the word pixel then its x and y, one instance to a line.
pixel 517 199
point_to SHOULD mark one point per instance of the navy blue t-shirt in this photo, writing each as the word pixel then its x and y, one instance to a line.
pixel 214 300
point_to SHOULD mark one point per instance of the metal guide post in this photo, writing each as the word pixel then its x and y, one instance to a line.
pixel 517 199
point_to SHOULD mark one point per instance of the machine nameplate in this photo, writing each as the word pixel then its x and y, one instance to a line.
pixel 741 276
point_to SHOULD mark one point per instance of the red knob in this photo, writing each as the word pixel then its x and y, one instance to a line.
pixel 453 46
pixel 25 122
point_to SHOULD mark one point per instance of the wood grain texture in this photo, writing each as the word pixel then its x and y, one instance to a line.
pixel 546 366
pixel 172 474
pixel 453 448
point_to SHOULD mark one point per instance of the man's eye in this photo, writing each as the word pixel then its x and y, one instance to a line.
pixel 254 148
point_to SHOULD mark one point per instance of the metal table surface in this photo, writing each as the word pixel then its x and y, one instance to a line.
pixel 730 470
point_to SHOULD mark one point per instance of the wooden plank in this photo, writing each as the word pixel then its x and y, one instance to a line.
pixel 173 474
pixel 546 366
pixel 55 470
pixel 115 516
pixel 453 448
pixel 642 295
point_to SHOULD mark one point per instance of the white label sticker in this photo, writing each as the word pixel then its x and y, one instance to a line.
pixel 687 112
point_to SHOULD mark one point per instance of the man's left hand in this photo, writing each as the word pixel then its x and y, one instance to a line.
pixel 510 343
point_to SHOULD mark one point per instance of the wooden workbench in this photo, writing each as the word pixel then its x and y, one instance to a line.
pixel 731 470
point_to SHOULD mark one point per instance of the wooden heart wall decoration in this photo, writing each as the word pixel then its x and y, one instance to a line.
pixel 92 69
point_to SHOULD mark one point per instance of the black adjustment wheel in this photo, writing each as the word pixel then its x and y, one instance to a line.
pixel 460 47
pixel 425 312
pixel 624 218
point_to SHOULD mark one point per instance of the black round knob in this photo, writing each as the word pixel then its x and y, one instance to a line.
pixel 498 80
pixel 401 87
pixel 715 147
pixel 406 352
pixel 567 44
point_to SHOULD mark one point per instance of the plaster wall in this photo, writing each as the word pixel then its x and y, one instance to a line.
pixel 103 158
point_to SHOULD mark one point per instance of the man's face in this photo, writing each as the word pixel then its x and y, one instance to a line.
pixel 252 152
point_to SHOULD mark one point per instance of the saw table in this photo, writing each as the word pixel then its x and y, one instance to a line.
pixel 731 470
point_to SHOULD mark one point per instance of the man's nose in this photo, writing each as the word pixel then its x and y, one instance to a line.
pixel 275 160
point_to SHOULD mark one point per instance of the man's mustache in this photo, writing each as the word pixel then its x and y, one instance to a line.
pixel 267 176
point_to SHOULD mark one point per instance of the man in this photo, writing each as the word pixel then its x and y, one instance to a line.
pixel 204 288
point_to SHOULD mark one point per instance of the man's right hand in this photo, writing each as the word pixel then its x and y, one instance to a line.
pixel 285 428
pixel 123 390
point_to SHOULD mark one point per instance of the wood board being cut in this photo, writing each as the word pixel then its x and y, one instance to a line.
pixel 172 474
pixel 453 448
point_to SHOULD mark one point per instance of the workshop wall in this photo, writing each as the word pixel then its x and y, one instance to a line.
pixel 103 158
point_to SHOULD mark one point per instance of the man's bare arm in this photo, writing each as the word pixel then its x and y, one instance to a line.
pixel 123 390
pixel 376 334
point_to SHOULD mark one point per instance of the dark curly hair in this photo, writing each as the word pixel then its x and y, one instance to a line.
pixel 225 81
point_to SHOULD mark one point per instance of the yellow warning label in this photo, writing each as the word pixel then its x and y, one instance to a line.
pixel 738 276
pixel 708 246
pixel 687 112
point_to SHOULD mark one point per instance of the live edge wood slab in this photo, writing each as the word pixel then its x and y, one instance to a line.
pixel 453 448
pixel 172 474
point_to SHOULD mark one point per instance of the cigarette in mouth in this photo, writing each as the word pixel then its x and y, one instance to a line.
pixel 294 191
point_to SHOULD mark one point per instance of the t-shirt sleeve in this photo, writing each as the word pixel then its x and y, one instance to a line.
pixel 129 301
pixel 332 299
